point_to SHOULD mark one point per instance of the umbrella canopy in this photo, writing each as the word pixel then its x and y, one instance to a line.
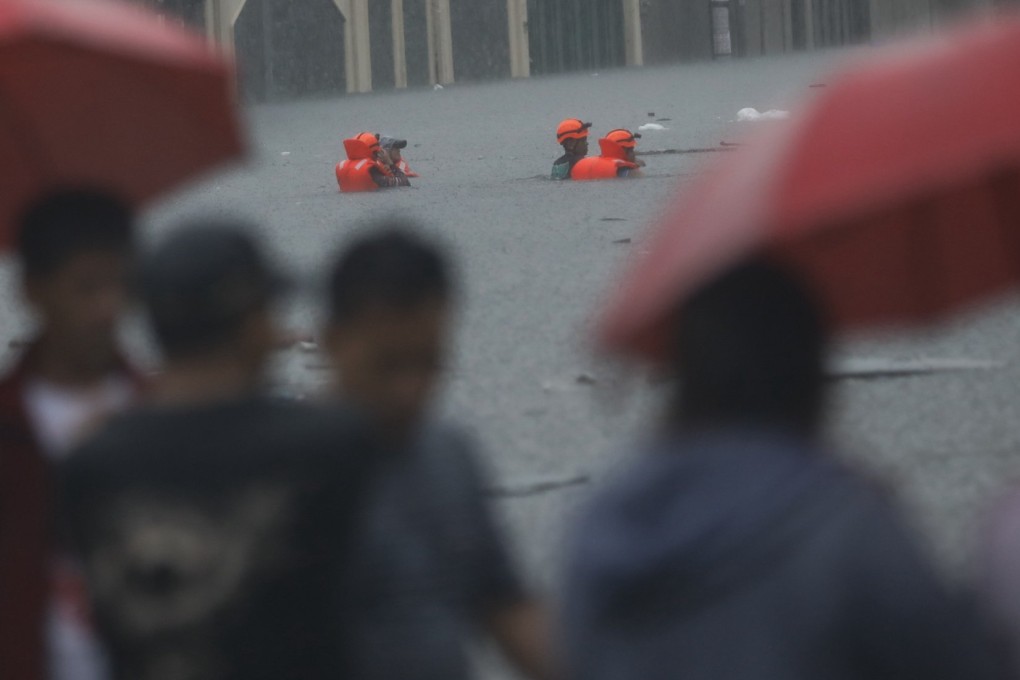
pixel 104 94
pixel 896 192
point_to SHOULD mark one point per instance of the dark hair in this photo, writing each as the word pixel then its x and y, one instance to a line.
pixel 65 223
pixel 750 347
pixel 393 267
pixel 202 283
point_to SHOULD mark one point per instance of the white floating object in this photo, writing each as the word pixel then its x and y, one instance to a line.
pixel 879 367
pixel 751 115
pixel 537 485
pixel 437 87
pixel 308 346
pixel 285 153
pixel 652 126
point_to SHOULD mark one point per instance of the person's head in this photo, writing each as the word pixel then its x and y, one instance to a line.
pixel 371 140
pixel 392 147
pixel 750 348
pixel 75 248
pixel 572 134
pixel 390 298
pixel 209 291
pixel 627 141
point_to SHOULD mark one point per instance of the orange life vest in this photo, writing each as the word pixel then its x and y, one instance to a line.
pixel 404 168
pixel 599 167
pixel 354 176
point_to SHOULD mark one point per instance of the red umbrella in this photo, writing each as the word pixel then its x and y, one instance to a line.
pixel 98 93
pixel 896 192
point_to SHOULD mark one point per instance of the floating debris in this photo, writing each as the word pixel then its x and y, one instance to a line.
pixel 308 346
pixel 670 152
pixel 651 114
pixel 652 126
pixel 537 485
pixel 880 367
pixel 621 241
pixel 612 219
pixel 585 379
pixel 285 153
pixel 752 115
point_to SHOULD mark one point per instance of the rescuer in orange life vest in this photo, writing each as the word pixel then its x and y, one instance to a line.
pixel 367 167
pixel 391 146
pixel 572 134
pixel 617 160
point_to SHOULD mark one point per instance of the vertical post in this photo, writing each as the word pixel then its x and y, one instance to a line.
pixel 211 20
pixel 399 44
pixel 520 50
pixel 430 41
pixel 362 31
pixel 220 17
pixel 357 45
pixel 440 41
pixel 633 47
pixel 445 33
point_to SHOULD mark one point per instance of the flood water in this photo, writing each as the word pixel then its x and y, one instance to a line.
pixel 536 258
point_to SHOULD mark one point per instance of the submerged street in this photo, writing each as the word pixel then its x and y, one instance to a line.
pixel 536 257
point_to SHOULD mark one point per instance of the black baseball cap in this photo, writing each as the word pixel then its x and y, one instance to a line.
pixel 392 143
pixel 203 281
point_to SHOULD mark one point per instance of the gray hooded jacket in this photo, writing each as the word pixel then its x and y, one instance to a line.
pixel 750 555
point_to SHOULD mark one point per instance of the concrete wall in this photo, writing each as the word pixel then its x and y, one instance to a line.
pixel 481 42
pixel 676 30
pixel 380 19
pixel 285 51
pixel 416 43
pixel 890 18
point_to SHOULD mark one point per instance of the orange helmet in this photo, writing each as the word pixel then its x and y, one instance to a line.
pixel 625 138
pixel 370 140
pixel 572 128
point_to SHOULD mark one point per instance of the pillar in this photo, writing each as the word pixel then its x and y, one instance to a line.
pixel 399 46
pixel 440 41
pixel 357 45
pixel 520 49
pixel 220 17
pixel 633 47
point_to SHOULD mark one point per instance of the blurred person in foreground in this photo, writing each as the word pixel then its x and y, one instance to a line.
pixel 618 158
pixel 432 570
pixel 74 251
pixel 736 546
pixel 998 562
pixel 212 521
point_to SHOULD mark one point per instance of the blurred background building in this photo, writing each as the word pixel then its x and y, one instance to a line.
pixel 288 48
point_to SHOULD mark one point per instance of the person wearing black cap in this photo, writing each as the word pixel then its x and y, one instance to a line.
pixel 212 522
pixel 391 147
